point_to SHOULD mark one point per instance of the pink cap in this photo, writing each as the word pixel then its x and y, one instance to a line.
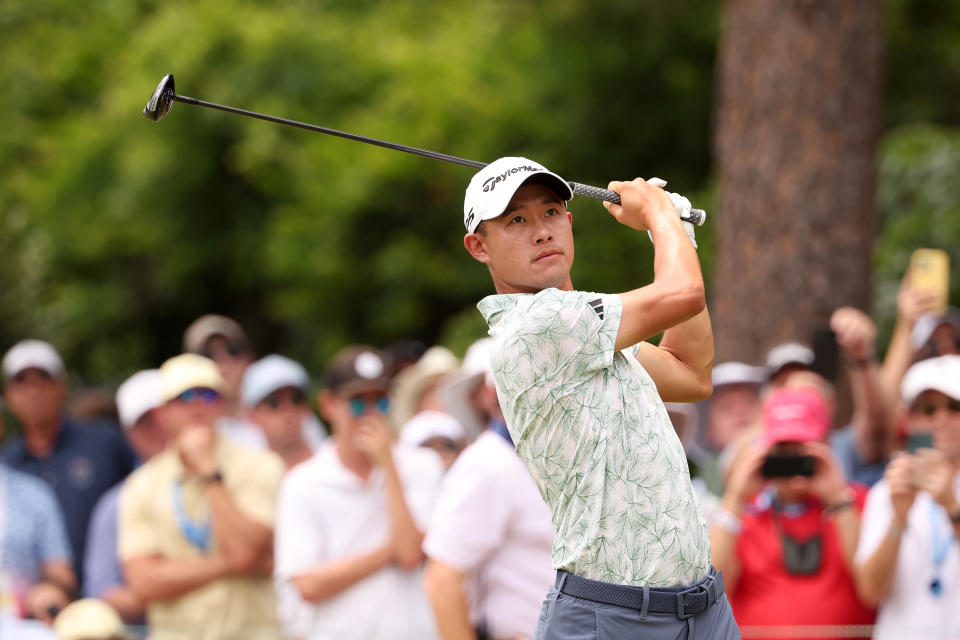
pixel 795 414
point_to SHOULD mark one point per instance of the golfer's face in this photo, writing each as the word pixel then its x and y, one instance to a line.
pixel 530 247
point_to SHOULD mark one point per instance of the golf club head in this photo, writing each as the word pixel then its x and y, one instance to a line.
pixel 161 101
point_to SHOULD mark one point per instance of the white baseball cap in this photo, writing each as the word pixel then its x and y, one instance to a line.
pixel 189 371
pixel 786 354
pixel 140 393
pixel 730 373
pixel 32 354
pixel 491 188
pixel 431 424
pixel 933 374
pixel 268 374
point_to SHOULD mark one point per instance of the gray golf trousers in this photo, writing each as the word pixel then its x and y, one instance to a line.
pixel 567 617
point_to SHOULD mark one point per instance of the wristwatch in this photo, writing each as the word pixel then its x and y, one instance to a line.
pixel 847 501
pixel 216 476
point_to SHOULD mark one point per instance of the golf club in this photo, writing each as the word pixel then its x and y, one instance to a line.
pixel 164 96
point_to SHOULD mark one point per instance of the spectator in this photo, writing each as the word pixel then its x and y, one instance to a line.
pixel 34 551
pixel 415 389
pixel 196 520
pixel 138 400
pixel 274 392
pixel 403 353
pixel 913 335
pixel 735 404
pixel 438 431
pixel 785 543
pixel 350 520
pixel 223 340
pixel 89 619
pixel 908 562
pixel 865 445
pixel 79 463
pixel 490 538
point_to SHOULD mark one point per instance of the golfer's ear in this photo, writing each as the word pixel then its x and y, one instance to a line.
pixel 473 242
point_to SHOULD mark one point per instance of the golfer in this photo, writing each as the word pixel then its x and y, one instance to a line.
pixel 583 399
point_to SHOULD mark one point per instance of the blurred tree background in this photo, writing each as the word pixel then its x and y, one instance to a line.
pixel 116 232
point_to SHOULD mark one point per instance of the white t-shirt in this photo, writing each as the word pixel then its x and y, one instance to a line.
pixel 912 611
pixel 491 524
pixel 326 512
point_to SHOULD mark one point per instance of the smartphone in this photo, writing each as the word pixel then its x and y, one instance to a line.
pixel 787 466
pixel 918 440
pixel 930 274
pixel 826 354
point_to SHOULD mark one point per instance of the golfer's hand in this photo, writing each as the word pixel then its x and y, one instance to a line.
pixel 642 205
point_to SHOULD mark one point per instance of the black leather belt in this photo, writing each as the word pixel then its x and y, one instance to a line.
pixel 684 602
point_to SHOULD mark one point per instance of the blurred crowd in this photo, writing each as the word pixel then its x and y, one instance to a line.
pixel 223 495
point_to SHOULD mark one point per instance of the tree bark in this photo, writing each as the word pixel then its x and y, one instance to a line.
pixel 797 120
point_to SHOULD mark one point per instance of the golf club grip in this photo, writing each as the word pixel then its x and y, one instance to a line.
pixel 696 216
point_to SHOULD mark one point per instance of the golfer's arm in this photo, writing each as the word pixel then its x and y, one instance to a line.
pixel 444 587
pixel 676 293
pixel 682 365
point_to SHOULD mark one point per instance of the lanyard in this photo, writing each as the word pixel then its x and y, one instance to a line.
pixel 941 546
pixel 197 532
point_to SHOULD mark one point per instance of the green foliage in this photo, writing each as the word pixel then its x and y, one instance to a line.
pixel 116 232
pixel 919 182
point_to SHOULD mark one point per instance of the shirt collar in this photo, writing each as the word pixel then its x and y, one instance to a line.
pixel 493 307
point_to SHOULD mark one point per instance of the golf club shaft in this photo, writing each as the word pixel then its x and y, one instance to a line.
pixel 696 216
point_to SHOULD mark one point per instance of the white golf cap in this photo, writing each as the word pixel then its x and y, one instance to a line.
pixel 268 374
pixel 730 373
pixel 140 393
pixel 934 374
pixel 477 360
pixel 431 424
pixel 189 371
pixel 491 188
pixel 786 354
pixel 32 354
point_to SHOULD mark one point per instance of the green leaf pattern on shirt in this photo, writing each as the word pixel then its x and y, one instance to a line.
pixel 591 428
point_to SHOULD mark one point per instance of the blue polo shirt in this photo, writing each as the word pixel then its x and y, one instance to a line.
pixel 86 461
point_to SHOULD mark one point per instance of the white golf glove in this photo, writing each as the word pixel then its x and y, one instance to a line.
pixel 682 205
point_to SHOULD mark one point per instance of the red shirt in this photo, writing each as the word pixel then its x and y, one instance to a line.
pixel 767 595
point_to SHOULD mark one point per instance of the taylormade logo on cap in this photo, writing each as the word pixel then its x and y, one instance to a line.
pixel 492 187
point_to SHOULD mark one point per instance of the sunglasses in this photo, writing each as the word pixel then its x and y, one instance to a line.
pixel 274 401
pixel 359 405
pixel 930 408
pixel 201 394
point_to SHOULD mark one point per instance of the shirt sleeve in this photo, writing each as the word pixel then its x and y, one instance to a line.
pixel 255 494
pixel 136 532
pixel 299 538
pixel 470 520
pixel 101 565
pixel 558 335
pixel 53 543
pixel 874 522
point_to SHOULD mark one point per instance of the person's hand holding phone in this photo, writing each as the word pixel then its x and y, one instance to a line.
pixel 899 479
pixel 745 478
pixel 933 473
pixel 828 482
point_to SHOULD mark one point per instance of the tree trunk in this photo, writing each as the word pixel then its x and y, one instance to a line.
pixel 799 95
